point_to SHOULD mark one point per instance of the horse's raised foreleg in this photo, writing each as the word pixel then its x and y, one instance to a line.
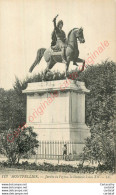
pixel 81 68
pixel 74 63
pixel 78 60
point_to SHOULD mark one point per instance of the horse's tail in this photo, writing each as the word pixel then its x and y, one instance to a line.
pixel 40 54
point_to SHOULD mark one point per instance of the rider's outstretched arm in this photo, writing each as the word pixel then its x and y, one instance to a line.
pixel 54 21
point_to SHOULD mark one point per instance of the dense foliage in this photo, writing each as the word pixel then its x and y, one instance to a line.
pixel 12 108
pixel 100 112
pixel 17 144
pixel 25 165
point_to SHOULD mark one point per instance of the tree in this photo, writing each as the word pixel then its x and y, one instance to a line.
pixel 12 108
pixel 3 109
pixel 100 112
pixel 19 143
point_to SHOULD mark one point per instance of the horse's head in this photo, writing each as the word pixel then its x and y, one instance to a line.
pixel 79 35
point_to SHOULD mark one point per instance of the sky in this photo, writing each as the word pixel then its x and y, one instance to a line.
pixel 26 26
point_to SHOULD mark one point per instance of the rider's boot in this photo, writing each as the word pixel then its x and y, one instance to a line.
pixel 63 55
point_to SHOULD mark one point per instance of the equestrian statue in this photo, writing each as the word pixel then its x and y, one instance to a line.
pixel 62 50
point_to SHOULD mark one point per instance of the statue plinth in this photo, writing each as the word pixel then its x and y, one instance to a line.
pixel 56 110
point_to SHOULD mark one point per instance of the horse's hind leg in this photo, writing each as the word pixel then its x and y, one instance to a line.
pixel 66 68
pixel 50 64
pixel 45 72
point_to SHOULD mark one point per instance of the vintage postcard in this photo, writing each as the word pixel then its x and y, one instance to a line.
pixel 57 91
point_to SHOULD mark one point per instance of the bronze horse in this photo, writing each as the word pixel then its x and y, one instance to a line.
pixel 71 52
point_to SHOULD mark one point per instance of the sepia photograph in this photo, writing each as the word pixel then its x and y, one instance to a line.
pixel 57 91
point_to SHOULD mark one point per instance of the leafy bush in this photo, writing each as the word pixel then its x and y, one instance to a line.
pixel 18 144
pixel 59 168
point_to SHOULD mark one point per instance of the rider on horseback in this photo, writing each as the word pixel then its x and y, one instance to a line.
pixel 59 41
pixel 59 38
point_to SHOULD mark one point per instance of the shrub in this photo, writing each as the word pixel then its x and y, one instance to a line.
pixel 22 145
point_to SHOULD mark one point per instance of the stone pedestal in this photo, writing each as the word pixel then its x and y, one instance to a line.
pixel 56 110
